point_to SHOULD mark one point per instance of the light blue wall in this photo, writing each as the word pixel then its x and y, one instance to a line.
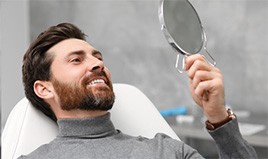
pixel 136 52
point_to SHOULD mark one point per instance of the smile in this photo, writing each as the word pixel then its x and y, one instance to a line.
pixel 96 81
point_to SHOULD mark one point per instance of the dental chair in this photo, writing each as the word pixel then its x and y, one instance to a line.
pixel 133 113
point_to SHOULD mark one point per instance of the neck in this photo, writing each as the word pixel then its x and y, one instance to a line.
pixel 76 113
pixel 63 114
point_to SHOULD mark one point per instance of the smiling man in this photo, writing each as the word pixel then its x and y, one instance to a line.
pixel 65 78
pixel 79 81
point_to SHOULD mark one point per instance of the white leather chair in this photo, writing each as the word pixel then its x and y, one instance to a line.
pixel 133 113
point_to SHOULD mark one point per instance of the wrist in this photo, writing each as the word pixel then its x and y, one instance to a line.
pixel 217 117
pixel 216 114
pixel 212 125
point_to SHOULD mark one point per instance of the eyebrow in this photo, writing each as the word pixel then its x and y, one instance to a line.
pixel 82 52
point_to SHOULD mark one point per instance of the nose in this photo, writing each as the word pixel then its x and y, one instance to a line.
pixel 96 64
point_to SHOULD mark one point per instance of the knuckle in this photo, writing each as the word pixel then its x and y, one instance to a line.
pixel 199 73
pixel 198 63
pixel 190 75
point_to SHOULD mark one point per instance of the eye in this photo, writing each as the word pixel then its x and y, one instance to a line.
pixel 99 57
pixel 75 60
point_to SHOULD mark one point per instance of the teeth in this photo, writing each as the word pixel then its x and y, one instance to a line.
pixel 96 81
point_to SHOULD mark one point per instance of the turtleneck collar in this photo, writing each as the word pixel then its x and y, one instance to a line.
pixel 96 127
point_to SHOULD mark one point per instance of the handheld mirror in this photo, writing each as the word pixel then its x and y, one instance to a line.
pixel 183 30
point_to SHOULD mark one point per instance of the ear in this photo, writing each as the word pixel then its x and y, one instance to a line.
pixel 43 89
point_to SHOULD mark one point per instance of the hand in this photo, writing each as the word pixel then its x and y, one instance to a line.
pixel 207 88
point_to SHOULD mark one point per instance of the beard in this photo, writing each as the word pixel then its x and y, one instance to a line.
pixel 74 96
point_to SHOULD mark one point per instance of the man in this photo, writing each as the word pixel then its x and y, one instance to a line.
pixel 65 78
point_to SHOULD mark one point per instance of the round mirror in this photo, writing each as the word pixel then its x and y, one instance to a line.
pixel 182 28
pixel 183 25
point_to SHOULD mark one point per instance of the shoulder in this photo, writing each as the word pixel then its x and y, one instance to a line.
pixel 165 143
pixel 41 152
pixel 37 153
pixel 161 138
pixel 167 147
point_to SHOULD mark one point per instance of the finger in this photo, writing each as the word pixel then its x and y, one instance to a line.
pixel 205 96
pixel 191 59
pixel 202 88
pixel 196 66
pixel 200 76
pixel 213 87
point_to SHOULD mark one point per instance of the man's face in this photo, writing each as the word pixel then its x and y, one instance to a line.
pixel 79 77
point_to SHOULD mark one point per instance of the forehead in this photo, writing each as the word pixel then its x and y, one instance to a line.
pixel 70 45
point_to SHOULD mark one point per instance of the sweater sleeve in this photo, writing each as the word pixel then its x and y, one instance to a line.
pixel 230 143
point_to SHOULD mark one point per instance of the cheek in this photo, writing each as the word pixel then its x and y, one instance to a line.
pixel 67 75
pixel 106 70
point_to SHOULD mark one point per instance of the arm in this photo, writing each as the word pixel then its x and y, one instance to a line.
pixel 230 143
pixel 207 90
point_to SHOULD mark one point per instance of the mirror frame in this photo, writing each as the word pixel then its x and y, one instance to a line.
pixel 170 39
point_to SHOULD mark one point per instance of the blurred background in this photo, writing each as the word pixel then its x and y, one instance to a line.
pixel 128 34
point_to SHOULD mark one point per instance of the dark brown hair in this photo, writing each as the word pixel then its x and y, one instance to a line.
pixel 36 61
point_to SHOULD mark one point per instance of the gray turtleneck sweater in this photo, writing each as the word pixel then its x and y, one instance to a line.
pixel 96 138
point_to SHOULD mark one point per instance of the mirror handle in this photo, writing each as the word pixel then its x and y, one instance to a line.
pixel 180 64
pixel 209 58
